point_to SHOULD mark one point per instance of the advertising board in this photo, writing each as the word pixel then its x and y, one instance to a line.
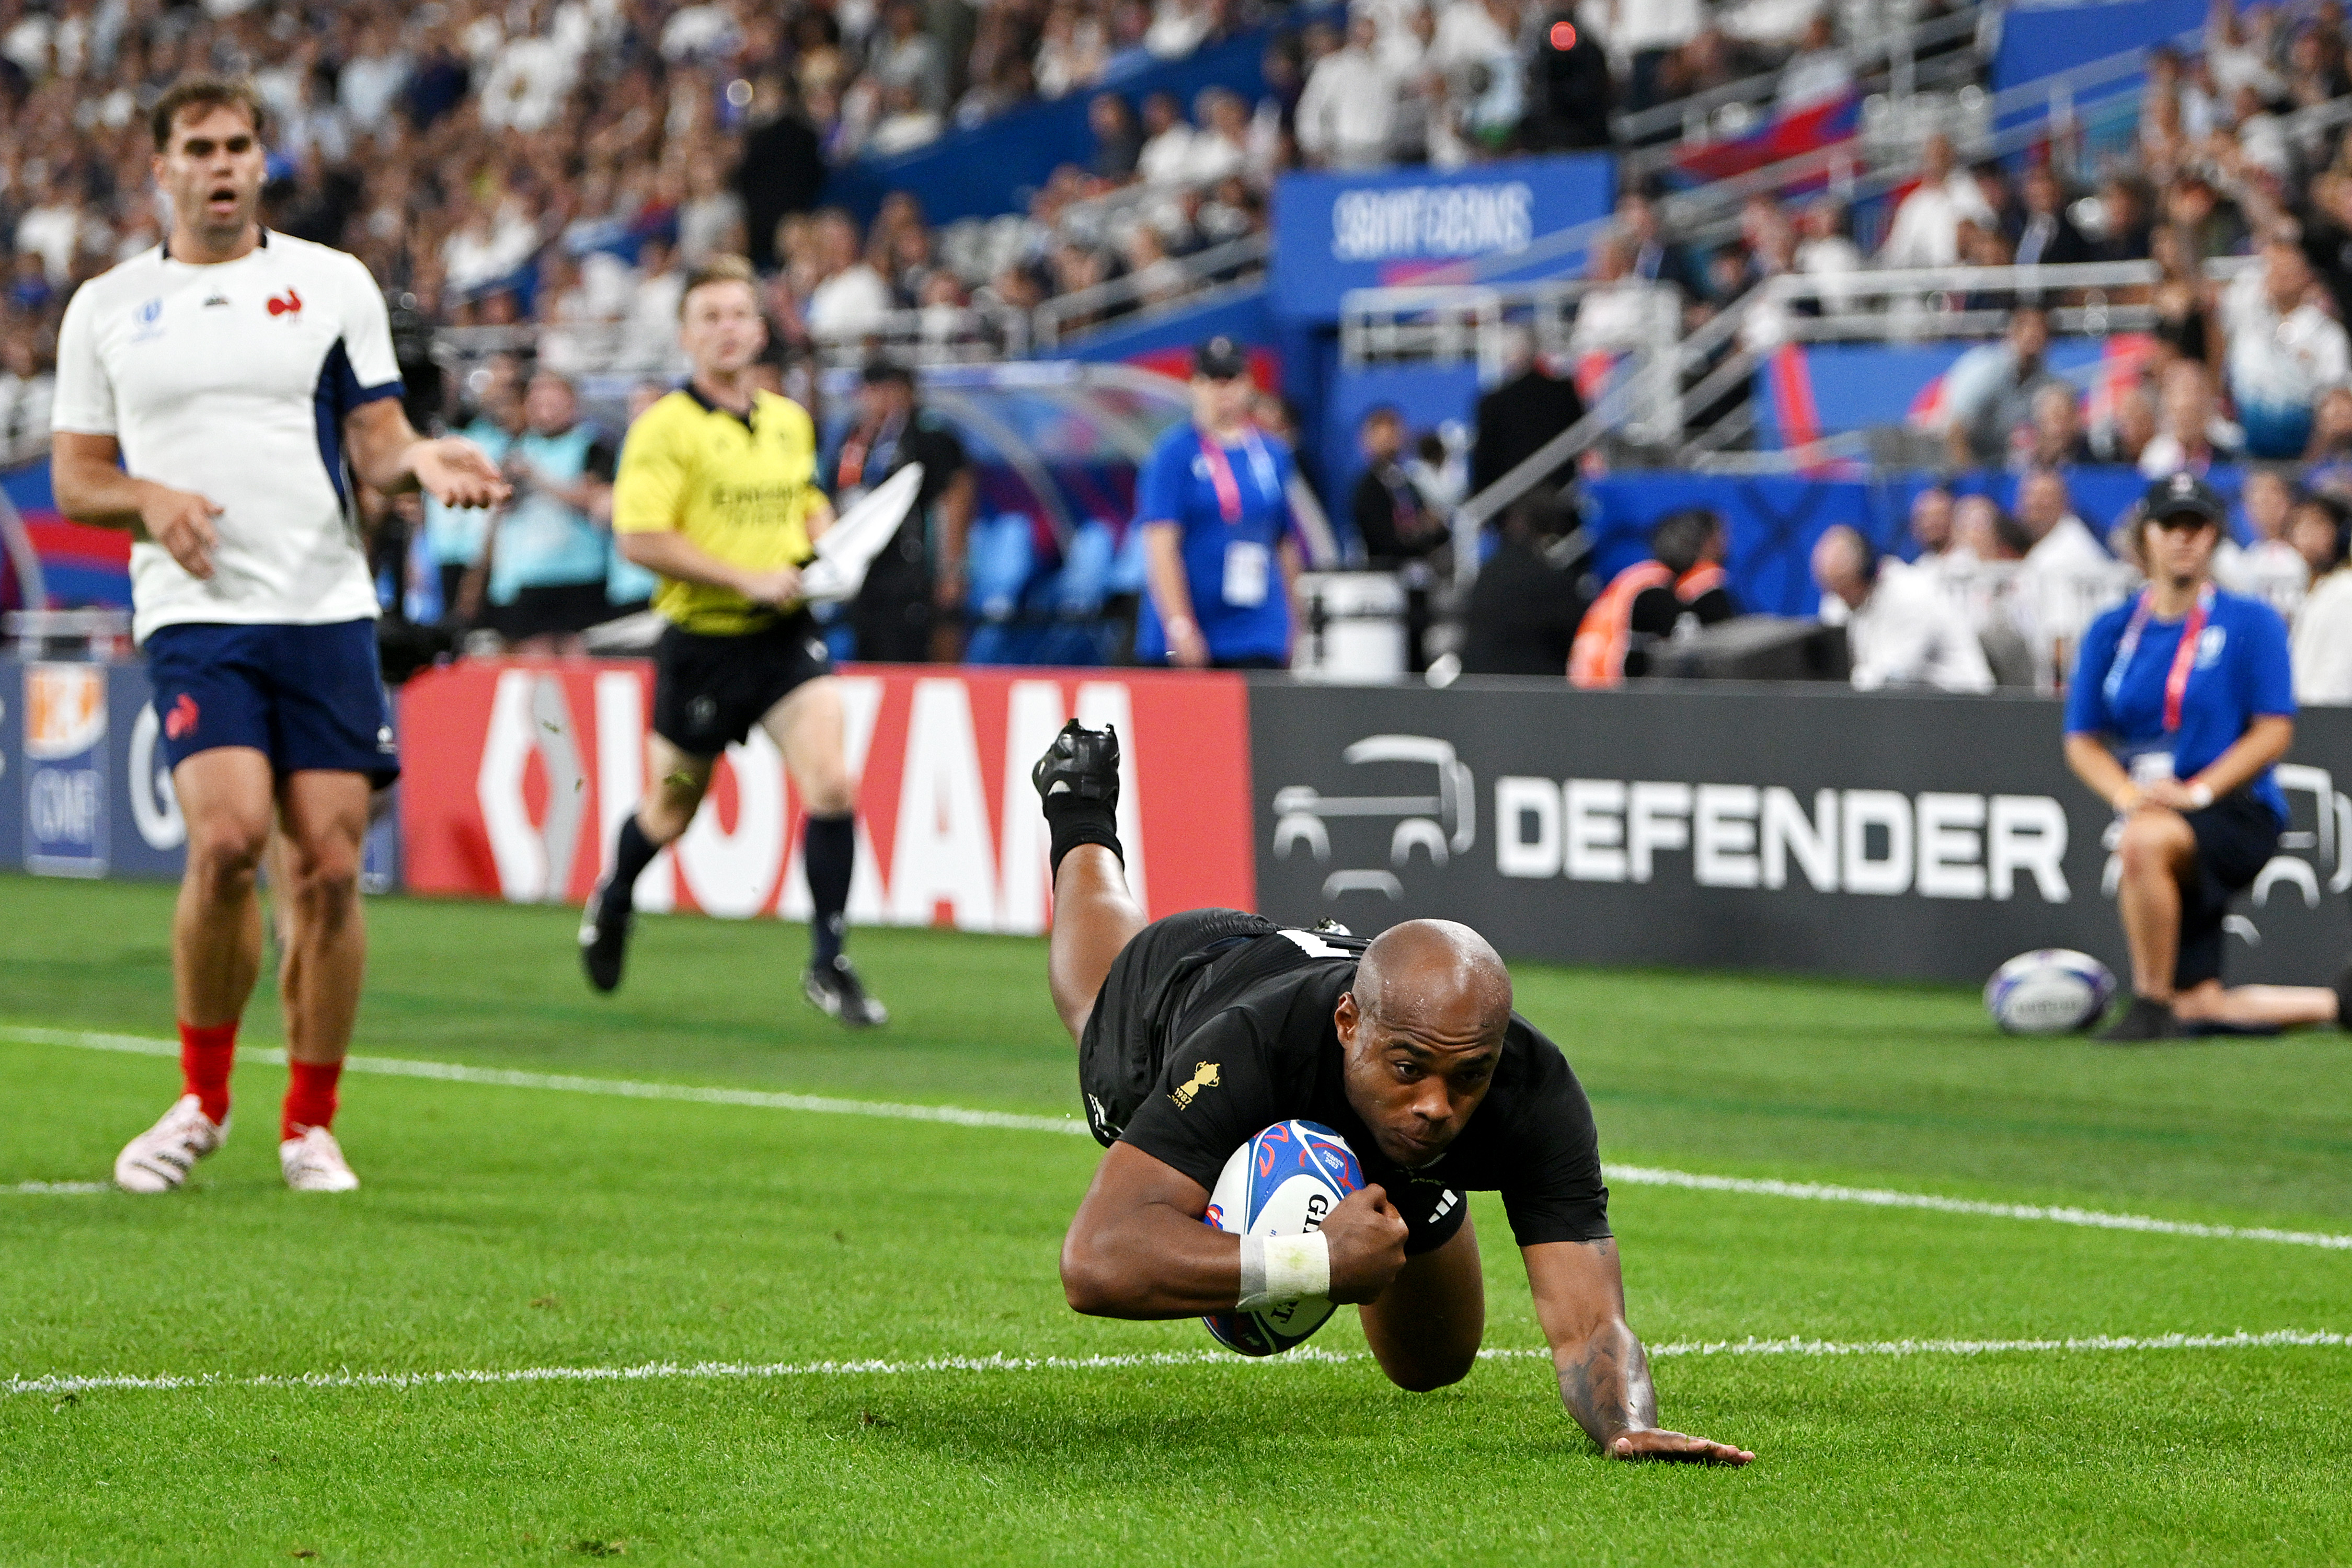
pixel 518 774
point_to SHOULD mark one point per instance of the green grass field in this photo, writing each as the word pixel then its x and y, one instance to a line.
pixel 506 1229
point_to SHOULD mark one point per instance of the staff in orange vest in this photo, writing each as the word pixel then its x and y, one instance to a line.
pixel 1644 602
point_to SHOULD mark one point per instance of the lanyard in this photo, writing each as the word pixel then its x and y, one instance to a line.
pixel 2184 658
pixel 1220 473
pixel 881 448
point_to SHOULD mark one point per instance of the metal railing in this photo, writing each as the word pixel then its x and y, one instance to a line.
pixel 1197 276
pixel 1481 323
pixel 2072 288
pixel 1851 168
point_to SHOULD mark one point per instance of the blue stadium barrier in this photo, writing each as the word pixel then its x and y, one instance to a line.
pixel 2041 41
pixel 993 168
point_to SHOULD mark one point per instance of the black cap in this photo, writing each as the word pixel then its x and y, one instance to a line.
pixel 2183 494
pixel 886 372
pixel 1219 359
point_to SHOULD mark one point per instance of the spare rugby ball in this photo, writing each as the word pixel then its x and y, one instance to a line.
pixel 2050 990
pixel 1281 1183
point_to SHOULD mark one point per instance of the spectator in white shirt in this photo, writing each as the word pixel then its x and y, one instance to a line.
pixel 1346 115
pixel 1926 228
pixel 1167 141
pixel 1901 629
pixel 51 229
pixel 1617 315
pixel 1178 27
pixel 2067 578
pixel 26 391
pixel 2192 435
pixel 2270 570
pixel 712 218
pixel 2322 648
pixel 1468 35
pixel 493 241
pixel 649 331
pixel 529 81
pixel 1818 73
pixel 372 77
pixel 907 55
pixel 1824 250
pixel 1221 137
pixel 2285 349
pixel 850 297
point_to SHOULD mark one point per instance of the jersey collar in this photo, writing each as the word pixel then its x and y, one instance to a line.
pixel 744 418
pixel 163 247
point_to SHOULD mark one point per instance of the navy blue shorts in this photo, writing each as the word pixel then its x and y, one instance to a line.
pixel 307 698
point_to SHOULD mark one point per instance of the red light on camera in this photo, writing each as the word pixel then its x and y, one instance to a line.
pixel 1563 36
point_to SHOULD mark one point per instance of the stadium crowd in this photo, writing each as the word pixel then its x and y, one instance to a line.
pixel 562 162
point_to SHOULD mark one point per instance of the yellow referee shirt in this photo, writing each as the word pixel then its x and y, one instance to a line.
pixel 740 489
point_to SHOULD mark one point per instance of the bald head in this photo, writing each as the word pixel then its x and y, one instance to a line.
pixel 1436 977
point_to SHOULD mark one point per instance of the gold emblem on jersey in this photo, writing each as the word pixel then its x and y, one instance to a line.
pixel 1204 1076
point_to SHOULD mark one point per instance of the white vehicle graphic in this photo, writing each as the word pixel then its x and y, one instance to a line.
pixel 1442 825
pixel 2306 855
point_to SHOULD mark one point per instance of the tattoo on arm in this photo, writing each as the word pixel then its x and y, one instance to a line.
pixel 1606 1384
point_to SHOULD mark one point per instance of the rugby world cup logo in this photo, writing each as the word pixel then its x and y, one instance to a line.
pixel 1204 1076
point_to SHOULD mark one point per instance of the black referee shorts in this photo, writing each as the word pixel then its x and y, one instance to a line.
pixel 1128 1036
pixel 709 691
pixel 2236 836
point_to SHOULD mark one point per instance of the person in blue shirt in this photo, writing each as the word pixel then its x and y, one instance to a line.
pixel 1219 542
pixel 549 561
pixel 2182 703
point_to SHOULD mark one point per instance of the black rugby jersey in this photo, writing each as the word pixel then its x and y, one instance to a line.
pixel 1255 1044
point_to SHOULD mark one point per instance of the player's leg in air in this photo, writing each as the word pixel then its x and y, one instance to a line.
pixel 807 726
pixel 1095 916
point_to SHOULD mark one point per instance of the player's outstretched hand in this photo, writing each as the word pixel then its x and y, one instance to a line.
pixel 1676 1447
pixel 1366 1236
pixel 182 523
pixel 456 473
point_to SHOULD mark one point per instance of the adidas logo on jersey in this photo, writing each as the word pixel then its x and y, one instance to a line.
pixel 1445 1205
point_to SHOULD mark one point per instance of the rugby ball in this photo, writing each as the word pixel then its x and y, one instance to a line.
pixel 1281 1183
pixel 2051 991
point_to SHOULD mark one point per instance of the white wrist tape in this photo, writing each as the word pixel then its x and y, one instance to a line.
pixel 1279 1269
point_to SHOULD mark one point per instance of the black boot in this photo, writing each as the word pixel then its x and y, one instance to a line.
pixel 2144 1020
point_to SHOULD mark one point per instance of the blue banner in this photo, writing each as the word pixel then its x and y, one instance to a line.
pixel 65 769
pixel 84 788
pixel 1337 232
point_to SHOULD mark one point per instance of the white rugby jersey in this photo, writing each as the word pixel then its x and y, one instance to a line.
pixel 233 381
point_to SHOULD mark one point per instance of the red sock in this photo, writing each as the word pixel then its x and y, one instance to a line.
pixel 206 1053
pixel 310 1097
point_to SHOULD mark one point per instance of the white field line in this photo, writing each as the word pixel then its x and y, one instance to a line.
pixel 1883 1198
pixel 626 1089
pixel 957 1116
pixel 55 1188
pixel 732 1371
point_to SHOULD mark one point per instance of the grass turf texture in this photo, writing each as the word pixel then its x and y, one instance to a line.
pixel 507 1228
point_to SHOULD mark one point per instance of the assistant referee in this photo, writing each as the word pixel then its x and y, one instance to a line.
pixel 717 495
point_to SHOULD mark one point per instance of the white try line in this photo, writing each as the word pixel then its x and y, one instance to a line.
pixel 735 1370
pixel 957 1116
